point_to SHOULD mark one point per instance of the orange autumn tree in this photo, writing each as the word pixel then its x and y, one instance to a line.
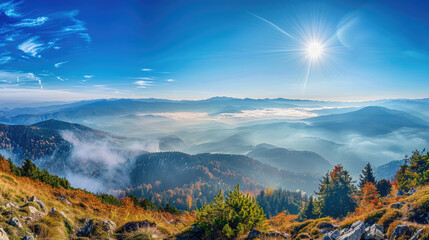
pixel 369 194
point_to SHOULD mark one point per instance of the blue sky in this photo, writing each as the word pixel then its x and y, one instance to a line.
pixel 70 50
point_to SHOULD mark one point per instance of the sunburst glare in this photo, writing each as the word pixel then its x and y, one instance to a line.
pixel 314 50
pixel 314 42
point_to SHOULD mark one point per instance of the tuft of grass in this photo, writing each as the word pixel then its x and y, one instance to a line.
pixel 374 216
pixel 8 178
pixel 389 217
pixel 392 227
pixel 309 227
pixel 140 236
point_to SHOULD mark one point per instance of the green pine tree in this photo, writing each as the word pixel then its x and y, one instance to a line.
pixel 383 187
pixel 230 216
pixel 415 171
pixel 336 192
pixel 367 176
pixel 308 211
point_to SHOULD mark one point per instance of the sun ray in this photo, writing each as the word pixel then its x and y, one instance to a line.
pixel 306 77
pixel 273 25
pixel 313 41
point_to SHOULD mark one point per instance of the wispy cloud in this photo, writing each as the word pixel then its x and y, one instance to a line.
pixel 146 69
pixel 5 59
pixel 59 64
pixel 59 78
pixel 18 78
pixel 76 27
pixel 170 80
pixel 8 8
pixel 31 22
pixel 37 33
pixel 32 46
pixel 145 78
pixel 88 76
pixel 143 83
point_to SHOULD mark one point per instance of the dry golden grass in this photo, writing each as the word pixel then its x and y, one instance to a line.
pixel 84 205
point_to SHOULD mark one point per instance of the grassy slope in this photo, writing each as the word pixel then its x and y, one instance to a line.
pixel 84 205
pixel 382 214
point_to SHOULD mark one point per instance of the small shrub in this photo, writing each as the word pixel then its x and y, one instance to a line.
pixel 230 216
pixel 109 199
pixel 421 206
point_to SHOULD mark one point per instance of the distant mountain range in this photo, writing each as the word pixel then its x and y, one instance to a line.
pixel 369 121
pixel 79 111
pixel 292 160
pixel 91 154
pixel 343 133
pixel 388 171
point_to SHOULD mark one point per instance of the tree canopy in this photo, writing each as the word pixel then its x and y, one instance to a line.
pixel 415 171
pixel 367 176
pixel 230 216
pixel 336 192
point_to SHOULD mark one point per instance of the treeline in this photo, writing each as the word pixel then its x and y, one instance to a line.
pixel 414 172
pixel 138 202
pixel 338 195
pixel 276 201
pixel 30 170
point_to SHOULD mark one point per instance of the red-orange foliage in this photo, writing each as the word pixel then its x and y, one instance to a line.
pixel 336 171
pixel 369 193
pixel 281 219
pixel 4 165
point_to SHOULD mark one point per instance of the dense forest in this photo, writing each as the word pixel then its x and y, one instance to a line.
pixel 190 181
pixel 276 201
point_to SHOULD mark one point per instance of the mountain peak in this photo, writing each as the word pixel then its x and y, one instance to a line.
pixel 58 125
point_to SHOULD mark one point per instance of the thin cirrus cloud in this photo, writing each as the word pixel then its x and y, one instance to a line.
pixel 170 80
pixel 35 34
pixel 32 46
pixel 8 8
pixel 5 59
pixel 143 83
pixel 31 22
pixel 27 38
pixel 59 64
pixel 88 76
pixel 147 69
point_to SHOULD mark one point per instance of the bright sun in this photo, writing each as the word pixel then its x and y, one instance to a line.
pixel 314 50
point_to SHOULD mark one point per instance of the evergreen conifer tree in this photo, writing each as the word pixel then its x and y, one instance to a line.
pixel 367 176
pixel 336 192
pixel 308 211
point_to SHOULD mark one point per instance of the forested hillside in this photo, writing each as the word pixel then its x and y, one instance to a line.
pixel 192 180
pixel 36 204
